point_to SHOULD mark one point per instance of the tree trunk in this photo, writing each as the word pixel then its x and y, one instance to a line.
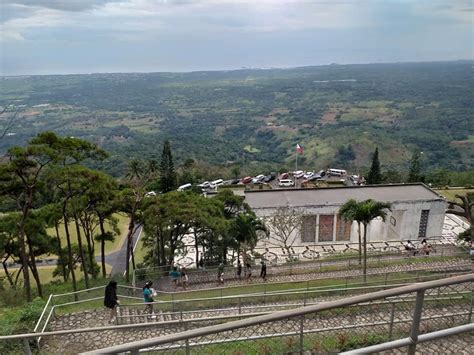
pixel 102 247
pixel 24 264
pixel 196 248
pixel 56 227
pixel 34 269
pixel 365 253
pixel 131 227
pixel 7 273
pixel 360 243
pixel 81 252
pixel 69 251
pixel 162 249
pixel 90 248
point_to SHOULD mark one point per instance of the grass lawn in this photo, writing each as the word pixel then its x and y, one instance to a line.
pixel 109 246
pixel 45 274
pixel 450 193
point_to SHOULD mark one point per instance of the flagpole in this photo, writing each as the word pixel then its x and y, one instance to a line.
pixel 296 164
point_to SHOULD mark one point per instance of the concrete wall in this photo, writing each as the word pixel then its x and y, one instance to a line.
pixel 402 222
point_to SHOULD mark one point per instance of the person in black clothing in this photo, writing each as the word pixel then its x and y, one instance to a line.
pixel 110 299
pixel 239 269
pixel 263 271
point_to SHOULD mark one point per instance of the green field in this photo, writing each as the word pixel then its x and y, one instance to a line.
pixel 109 246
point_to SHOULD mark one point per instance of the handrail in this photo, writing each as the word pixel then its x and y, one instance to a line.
pixel 282 315
pixel 407 341
pixel 42 313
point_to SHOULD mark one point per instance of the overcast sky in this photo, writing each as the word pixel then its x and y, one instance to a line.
pixel 86 36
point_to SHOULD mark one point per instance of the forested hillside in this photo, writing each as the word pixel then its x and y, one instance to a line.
pixel 254 118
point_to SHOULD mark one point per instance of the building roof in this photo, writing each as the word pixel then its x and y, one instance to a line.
pixel 339 195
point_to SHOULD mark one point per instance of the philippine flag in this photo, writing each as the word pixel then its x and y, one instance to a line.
pixel 299 149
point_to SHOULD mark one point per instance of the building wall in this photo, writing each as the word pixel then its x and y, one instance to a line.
pixel 402 223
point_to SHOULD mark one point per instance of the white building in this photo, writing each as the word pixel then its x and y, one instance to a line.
pixel 417 212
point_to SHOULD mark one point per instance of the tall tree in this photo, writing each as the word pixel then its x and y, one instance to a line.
pixel 375 175
pixel 285 225
pixel 139 175
pixel 20 178
pixel 167 173
pixel 349 212
pixel 414 174
pixel 367 211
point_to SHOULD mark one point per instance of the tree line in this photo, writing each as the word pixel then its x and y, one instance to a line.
pixel 48 185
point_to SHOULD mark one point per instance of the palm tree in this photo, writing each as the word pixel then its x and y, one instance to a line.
pixel 245 228
pixel 369 210
pixel 349 213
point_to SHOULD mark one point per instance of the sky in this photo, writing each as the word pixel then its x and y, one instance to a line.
pixel 90 36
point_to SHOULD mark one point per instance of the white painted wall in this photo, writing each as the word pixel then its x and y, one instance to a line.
pixel 407 216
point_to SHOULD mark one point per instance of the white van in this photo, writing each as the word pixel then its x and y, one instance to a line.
pixel 286 183
pixel 184 187
pixel 216 183
pixel 337 172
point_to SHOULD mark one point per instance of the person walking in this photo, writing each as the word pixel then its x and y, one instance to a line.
pixel 263 271
pixel 248 268
pixel 175 276
pixel 184 278
pixel 148 294
pixel 239 269
pixel 220 273
pixel 111 300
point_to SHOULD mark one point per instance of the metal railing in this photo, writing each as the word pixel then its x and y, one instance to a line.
pixel 298 267
pixel 93 294
pixel 398 313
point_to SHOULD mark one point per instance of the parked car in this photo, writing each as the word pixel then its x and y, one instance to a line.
pixel 246 180
pixel 286 183
pixel 269 178
pixel 308 174
pixel 283 176
pixel 205 185
pixel 298 174
pixel 216 183
pixel 258 179
pixel 321 173
pixel 234 181
pixel 150 194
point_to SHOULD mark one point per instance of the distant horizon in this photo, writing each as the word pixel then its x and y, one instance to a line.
pixel 241 68
pixel 60 37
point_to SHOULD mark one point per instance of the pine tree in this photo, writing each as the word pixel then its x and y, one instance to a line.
pixel 375 176
pixel 414 174
pixel 167 173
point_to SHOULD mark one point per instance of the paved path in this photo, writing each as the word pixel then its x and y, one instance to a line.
pixel 117 259
pixel 429 265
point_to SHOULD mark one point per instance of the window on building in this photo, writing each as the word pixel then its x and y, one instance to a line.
pixel 326 226
pixel 343 230
pixel 423 223
pixel 308 229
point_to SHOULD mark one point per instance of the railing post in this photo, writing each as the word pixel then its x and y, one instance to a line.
pixel 187 346
pixel 172 302
pixel 307 285
pixel 386 277
pixel 415 326
pixel 26 346
pixel 301 334
pixel 392 318
pixel 469 317
pixel 240 305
